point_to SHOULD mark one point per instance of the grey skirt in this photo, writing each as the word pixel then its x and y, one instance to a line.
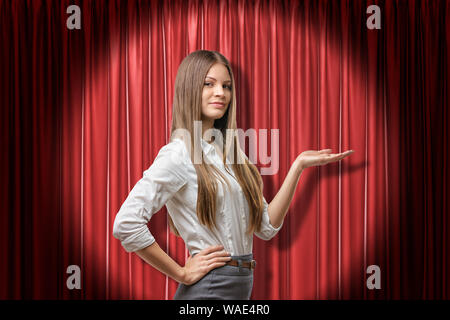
pixel 223 283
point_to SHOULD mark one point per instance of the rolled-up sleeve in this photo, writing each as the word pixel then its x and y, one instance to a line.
pixel 158 184
pixel 267 231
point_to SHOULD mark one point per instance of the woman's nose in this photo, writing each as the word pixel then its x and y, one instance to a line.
pixel 218 90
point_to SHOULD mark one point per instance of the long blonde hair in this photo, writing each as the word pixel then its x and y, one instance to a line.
pixel 187 106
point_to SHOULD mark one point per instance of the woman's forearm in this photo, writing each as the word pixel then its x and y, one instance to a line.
pixel 279 206
pixel 158 259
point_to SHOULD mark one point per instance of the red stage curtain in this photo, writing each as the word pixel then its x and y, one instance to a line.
pixel 84 113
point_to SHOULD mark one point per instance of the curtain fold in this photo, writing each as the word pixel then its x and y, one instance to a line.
pixel 84 113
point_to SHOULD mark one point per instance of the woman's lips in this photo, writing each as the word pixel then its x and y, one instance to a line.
pixel 218 105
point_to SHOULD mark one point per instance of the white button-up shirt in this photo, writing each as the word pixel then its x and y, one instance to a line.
pixel 173 183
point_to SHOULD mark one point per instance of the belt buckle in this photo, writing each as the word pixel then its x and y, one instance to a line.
pixel 252 264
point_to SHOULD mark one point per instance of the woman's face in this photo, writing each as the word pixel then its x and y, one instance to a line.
pixel 216 94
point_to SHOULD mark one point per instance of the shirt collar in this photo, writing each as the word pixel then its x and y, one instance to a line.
pixel 207 147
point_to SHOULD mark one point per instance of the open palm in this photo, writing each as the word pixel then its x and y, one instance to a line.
pixel 319 158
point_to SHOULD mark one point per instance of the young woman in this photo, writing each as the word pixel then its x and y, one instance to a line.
pixel 212 192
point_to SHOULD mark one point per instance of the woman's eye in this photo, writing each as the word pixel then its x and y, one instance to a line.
pixel 210 84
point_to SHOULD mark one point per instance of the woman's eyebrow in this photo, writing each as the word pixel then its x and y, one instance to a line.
pixel 216 79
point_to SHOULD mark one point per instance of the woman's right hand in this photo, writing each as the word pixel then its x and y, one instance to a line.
pixel 199 265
